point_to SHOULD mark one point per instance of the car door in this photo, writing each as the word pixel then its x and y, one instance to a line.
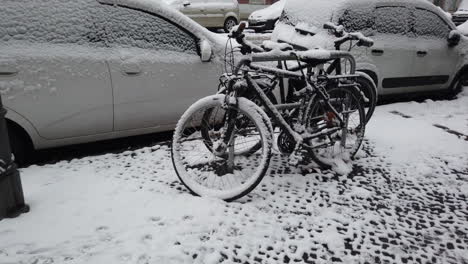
pixel 156 71
pixel 196 10
pixel 50 72
pixel 434 60
pixel 392 51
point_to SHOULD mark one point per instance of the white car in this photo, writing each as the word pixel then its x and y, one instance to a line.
pixel 416 46
pixel 461 15
pixel 266 18
pixel 209 13
pixel 76 71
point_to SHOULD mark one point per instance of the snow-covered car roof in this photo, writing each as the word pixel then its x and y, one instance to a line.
pixel 162 9
pixel 317 12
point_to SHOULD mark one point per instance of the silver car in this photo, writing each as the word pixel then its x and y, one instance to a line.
pixel 417 48
pixel 76 71
pixel 209 13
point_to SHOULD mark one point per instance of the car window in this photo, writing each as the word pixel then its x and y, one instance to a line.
pixel 355 20
pixel 125 27
pixel 392 20
pixel 53 21
pixel 429 24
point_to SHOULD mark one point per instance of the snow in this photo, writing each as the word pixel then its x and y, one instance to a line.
pixel 271 12
pixel 462 8
pixel 463 28
pixel 405 199
pixel 89 23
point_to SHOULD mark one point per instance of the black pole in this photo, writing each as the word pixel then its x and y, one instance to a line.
pixel 11 191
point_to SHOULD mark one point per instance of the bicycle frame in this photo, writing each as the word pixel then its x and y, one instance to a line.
pixel 245 66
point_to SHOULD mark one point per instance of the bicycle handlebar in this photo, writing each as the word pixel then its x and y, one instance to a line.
pixel 246 46
pixel 337 30
pixel 344 36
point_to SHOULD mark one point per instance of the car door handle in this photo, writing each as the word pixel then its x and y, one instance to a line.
pixel 377 52
pixel 421 53
pixel 6 71
pixel 131 69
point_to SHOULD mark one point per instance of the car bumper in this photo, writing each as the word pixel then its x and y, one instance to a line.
pixel 262 25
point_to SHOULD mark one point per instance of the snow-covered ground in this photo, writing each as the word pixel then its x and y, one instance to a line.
pixel 405 202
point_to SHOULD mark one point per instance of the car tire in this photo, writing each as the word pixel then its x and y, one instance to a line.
pixel 20 146
pixel 457 86
pixel 229 23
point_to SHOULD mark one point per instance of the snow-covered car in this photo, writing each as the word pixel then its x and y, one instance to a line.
pixel 247 7
pixel 416 47
pixel 76 71
pixel 463 28
pixel 461 15
pixel 265 19
pixel 209 13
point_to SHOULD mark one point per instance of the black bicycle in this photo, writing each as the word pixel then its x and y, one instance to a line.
pixel 222 144
pixel 341 66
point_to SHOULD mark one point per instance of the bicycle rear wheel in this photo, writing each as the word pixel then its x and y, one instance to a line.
pixel 225 167
pixel 367 87
pixel 335 141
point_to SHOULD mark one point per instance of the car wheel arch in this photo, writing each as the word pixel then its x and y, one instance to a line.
pixel 18 121
pixel 231 16
pixel 462 71
pixel 22 144
pixel 372 75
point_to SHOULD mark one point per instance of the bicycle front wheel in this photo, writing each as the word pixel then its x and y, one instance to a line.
pixel 226 167
pixel 333 139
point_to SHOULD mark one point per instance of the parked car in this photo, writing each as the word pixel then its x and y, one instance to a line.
pixel 266 18
pixel 461 15
pixel 209 13
pixel 247 7
pixel 417 48
pixel 77 71
pixel 463 28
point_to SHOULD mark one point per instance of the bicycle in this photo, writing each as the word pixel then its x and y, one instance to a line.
pixel 222 144
pixel 339 67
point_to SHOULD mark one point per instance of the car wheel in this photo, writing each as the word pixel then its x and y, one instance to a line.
pixel 229 24
pixel 460 81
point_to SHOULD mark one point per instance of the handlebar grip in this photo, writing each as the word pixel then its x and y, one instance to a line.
pixel 328 26
pixel 365 43
pixel 237 31
pixel 241 27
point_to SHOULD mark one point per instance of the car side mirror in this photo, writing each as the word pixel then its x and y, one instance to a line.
pixel 454 38
pixel 205 51
pixel 186 3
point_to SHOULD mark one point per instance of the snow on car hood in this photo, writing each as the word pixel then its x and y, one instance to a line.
pixel 164 10
pixel 462 9
pixel 271 12
pixel 463 28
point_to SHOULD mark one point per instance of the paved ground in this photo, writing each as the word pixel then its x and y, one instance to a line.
pixel 405 201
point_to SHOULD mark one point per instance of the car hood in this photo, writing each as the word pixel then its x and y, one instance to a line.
pixel 271 12
pixel 462 12
pixel 287 33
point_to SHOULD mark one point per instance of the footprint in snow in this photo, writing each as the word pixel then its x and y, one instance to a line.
pixel 143 259
pixel 146 239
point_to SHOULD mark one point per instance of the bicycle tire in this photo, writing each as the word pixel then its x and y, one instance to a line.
pixel 206 136
pixel 367 86
pixel 315 116
pixel 196 179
